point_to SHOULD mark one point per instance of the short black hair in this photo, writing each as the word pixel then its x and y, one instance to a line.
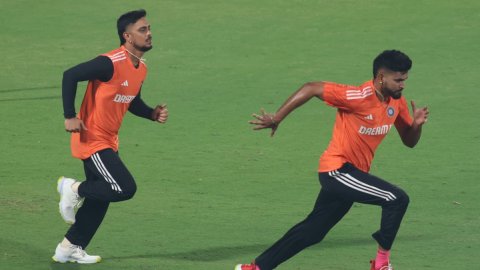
pixel 126 19
pixel 392 60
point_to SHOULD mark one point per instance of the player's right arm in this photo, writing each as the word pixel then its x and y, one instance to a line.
pixel 99 68
pixel 297 99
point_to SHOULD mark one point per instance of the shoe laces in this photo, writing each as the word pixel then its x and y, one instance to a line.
pixel 79 251
pixel 386 267
pixel 78 201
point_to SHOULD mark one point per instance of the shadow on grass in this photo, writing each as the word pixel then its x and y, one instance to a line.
pixel 222 253
pixel 65 266
pixel 16 255
pixel 202 255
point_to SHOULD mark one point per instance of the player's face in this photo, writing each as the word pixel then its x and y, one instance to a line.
pixel 393 83
pixel 140 35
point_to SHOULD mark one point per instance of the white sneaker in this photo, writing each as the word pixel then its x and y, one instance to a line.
pixel 74 254
pixel 69 200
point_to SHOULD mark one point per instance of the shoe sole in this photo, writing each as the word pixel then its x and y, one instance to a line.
pixel 57 261
pixel 97 261
pixel 73 261
pixel 387 267
pixel 59 190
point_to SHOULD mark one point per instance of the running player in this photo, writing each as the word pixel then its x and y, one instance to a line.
pixel 365 114
pixel 114 83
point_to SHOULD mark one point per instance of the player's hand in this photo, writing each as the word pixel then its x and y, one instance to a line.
pixel 420 115
pixel 160 113
pixel 74 125
pixel 264 120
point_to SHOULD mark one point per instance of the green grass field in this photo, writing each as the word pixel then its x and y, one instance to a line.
pixel 211 192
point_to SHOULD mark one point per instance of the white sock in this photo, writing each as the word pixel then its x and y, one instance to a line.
pixel 65 243
pixel 75 187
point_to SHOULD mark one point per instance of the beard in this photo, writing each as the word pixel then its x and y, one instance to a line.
pixel 143 48
pixel 392 94
pixel 396 94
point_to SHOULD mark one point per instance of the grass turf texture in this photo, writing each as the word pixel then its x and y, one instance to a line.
pixel 211 191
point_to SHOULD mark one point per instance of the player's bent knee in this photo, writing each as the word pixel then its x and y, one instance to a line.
pixel 122 196
pixel 402 199
pixel 129 191
pixel 126 193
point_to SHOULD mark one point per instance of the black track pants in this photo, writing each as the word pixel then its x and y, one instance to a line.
pixel 107 180
pixel 340 189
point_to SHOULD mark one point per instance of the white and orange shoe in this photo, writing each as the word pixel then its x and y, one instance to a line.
pixel 388 266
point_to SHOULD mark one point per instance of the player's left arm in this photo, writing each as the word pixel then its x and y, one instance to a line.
pixel 140 109
pixel 410 133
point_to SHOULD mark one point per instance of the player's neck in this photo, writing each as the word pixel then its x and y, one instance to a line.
pixel 382 97
pixel 135 55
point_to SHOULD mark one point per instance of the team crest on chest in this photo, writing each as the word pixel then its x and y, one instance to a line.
pixel 390 111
